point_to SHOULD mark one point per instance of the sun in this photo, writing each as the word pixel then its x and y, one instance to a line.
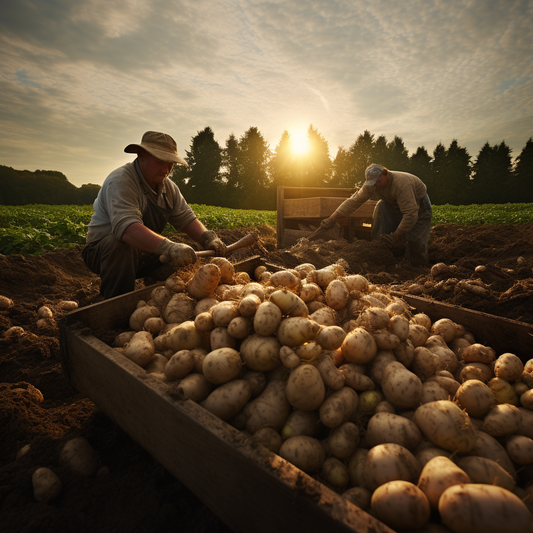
pixel 299 142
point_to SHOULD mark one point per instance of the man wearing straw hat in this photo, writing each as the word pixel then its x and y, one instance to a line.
pixel 132 208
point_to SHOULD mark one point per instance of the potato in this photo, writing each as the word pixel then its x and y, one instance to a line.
pixel 389 462
pixel 305 388
pixel 386 340
pixel 508 366
pixel 140 349
pixel 80 457
pixel 227 270
pixel 338 407
pixel 324 315
pixel 203 306
pixel 304 268
pixel 304 452
pixel 477 353
pixel 267 318
pixel 257 381
pixel 487 446
pixel 483 470
pixel 422 319
pixel 425 362
pixel 122 339
pixel 378 364
pixel 369 400
pixel 269 438
pixel 432 391
pixel 224 312
pixel 502 420
pixel 355 378
pixel 204 282
pixel 356 467
pixel 447 358
pixel 184 337
pixel 343 440
pixel 400 505
pixel 426 454
pixel 355 282
pixel 446 381
pixel 437 475
pixel 387 427
pixel 260 353
pixel 445 328
pixel 359 346
pixel 310 292
pixel 193 387
pixel 204 322
pixel 418 335
pixel 154 325
pixel 46 484
pixel 140 315
pixel 220 338
pixel 337 294
pixel 179 309
pixel 359 496
pixel 520 449
pixel 295 331
pixel 473 507
pixel 5 302
pixel 446 426
pixel 288 358
pixel 290 304
pixel 157 364
pixel 228 399
pixel 400 386
pixel 249 304
pixel 221 365
pixel 45 312
pixel 374 319
pixel 301 422
pixel 68 305
pixel 331 337
pixel 310 351
pixel 240 327
pixel 284 278
pixel 475 398
pixel 270 409
pixel 335 472
pixel 399 326
pixel 333 378
pixel 174 283
pixel 322 277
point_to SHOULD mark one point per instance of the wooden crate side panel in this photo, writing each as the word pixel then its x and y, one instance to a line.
pixel 248 487
pixel 309 192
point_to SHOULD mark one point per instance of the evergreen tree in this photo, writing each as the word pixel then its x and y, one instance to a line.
pixel 522 182
pixel 397 157
pixel 205 160
pixel 492 174
pixel 437 180
pixel 282 165
pixel 458 168
pixel 254 157
pixel 361 155
pixel 420 165
pixel 231 173
pixel 318 166
pixel 380 151
pixel 342 169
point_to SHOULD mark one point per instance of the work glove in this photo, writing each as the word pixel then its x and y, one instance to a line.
pixel 395 243
pixel 327 223
pixel 175 253
pixel 210 241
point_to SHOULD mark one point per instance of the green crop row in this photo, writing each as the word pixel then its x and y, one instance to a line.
pixel 34 229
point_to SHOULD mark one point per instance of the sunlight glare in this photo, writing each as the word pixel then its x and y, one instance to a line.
pixel 299 142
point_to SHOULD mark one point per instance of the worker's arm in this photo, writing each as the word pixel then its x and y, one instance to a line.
pixel 141 237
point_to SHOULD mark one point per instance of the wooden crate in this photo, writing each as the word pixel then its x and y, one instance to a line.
pixel 247 486
pixel 297 206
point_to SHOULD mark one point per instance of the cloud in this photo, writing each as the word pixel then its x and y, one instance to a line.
pixel 91 76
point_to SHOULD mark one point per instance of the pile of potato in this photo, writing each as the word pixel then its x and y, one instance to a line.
pixel 411 420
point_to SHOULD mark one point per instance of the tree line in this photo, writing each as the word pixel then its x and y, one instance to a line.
pixel 245 172
pixel 48 187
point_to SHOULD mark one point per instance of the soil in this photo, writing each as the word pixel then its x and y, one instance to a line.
pixel 132 492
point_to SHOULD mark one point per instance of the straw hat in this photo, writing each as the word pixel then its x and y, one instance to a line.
pixel 160 145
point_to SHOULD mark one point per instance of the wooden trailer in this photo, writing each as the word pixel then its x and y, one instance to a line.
pixel 246 485
pixel 308 206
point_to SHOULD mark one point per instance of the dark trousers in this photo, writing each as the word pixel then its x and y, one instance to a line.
pixel 387 218
pixel 118 264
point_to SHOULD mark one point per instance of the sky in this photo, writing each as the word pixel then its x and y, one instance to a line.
pixel 82 79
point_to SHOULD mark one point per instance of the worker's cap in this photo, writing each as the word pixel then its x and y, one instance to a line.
pixel 160 145
pixel 372 173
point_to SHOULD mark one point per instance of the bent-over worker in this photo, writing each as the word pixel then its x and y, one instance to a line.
pixel 402 217
pixel 132 209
